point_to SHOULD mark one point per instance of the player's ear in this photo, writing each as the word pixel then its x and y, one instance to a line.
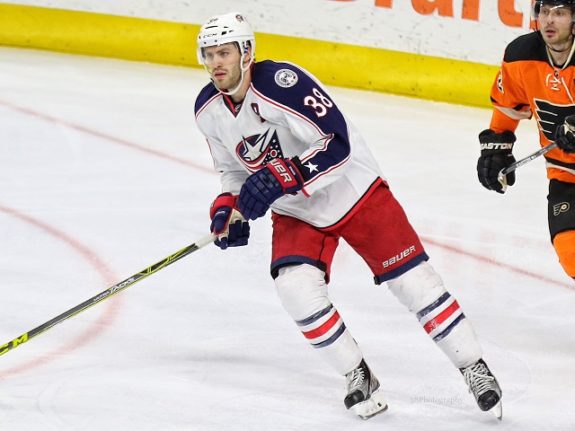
pixel 249 55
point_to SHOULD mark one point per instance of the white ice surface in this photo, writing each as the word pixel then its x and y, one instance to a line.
pixel 103 173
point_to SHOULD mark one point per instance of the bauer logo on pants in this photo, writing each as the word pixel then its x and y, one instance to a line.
pixel 559 208
pixel 399 257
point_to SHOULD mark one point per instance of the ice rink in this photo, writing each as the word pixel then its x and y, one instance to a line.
pixel 103 173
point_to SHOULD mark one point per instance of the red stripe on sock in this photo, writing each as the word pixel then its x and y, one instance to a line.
pixel 326 326
pixel 441 317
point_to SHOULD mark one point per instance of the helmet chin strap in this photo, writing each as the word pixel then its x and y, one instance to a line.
pixel 242 76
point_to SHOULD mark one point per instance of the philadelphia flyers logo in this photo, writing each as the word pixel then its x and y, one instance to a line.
pixel 550 115
pixel 559 208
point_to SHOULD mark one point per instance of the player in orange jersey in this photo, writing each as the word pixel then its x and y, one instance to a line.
pixel 537 78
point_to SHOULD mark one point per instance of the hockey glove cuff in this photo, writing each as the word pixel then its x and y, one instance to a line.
pixel 228 224
pixel 565 135
pixel 262 188
pixel 496 155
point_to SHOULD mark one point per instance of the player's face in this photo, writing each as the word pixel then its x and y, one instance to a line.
pixel 223 65
pixel 555 24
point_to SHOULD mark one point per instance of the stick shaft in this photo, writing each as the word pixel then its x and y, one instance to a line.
pixel 5 348
pixel 527 159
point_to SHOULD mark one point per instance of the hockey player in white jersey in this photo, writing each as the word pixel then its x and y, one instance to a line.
pixel 280 142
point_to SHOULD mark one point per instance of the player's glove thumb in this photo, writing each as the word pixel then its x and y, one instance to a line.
pixel 231 228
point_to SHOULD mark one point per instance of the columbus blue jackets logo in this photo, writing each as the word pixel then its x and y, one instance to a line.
pixel 257 150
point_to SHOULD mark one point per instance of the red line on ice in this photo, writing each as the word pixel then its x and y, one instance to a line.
pixel 111 309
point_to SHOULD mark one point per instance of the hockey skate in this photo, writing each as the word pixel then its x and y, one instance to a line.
pixel 363 395
pixel 484 387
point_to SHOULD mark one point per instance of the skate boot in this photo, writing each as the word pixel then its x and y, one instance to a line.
pixel 363 395
pixel 484 387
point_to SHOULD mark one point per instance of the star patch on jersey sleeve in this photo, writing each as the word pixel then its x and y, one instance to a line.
pixel 311 167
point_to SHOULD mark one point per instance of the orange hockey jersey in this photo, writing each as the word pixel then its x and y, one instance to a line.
pixel 529 85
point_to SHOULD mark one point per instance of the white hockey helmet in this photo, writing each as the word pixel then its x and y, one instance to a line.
pixel 222 29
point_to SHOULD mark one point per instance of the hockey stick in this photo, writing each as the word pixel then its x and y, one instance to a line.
pixel 107 293
pixel 501 177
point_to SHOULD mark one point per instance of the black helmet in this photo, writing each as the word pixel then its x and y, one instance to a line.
pixel 538 3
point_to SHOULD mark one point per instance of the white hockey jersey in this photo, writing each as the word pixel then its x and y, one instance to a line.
pixel 287 113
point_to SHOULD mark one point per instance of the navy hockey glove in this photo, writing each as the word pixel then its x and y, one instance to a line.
pixel 262 188
pixel 565 135
pixel 228 223
pixel 496 155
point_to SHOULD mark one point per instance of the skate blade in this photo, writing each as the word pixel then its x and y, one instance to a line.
pixel 497 410
pixel 369 408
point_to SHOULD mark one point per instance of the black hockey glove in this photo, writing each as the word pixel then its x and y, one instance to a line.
pixel 565 135
pixel 496 155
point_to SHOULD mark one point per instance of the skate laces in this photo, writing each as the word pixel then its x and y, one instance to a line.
pixel 478 378
pixel 355 378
